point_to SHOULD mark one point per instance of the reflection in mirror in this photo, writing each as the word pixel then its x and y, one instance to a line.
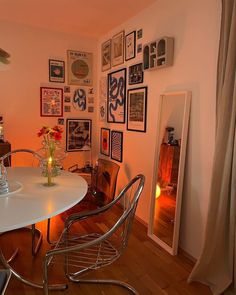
pixel 169 170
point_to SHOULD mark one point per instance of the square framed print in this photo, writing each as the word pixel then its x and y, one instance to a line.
pixel 51 102
pixel 80 67
pixel 106 55
pixel 78 135
pixel 130 45
pixel 56 71
pixel 117 145
pixel 117 49
pixel 136 74
pixel 105 141
pixel 116 96
pixel 137 109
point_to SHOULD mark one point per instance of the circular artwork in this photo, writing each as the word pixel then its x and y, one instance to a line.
pixel 80 69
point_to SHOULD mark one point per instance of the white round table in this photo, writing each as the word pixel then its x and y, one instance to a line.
pixel 32 201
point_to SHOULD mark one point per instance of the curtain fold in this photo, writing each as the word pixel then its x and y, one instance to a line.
pixel 216 264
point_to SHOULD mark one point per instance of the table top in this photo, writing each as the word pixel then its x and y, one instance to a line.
pixel 31 201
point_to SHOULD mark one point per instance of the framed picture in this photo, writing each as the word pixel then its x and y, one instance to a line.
pixel 79 101
pixel 106 55
pixel 51 102
pixel 117 49
pixel 137 109
pixel 136 74
pixel 105 141
pixel 117 145
pixel 116 96
pixel 139 33
pixel 130 45
pixel 56 71
pixel 78 135
pixel 79 67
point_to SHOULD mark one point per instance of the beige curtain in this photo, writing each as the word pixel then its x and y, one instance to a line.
pixel 216 265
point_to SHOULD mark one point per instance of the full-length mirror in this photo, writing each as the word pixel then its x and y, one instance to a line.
pixel 169 170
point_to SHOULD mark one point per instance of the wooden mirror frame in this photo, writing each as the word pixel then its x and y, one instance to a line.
pixel 174 249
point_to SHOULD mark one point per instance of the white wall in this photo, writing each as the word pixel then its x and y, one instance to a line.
pixel 195 27
pixel 20 81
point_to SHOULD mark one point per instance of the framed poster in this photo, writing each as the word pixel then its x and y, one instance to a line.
pixel 79 101
pixel 136 74
pixel 117 49
pixel 137 109
pixel 130 45
pixel 56 71
pixel 79 67
pixel 78 135
pixel 51 102
pixel 116 99
pixel 117 145
pixel 105 142
pixel 106 55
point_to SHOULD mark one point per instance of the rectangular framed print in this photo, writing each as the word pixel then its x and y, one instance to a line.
pixel 117 49
pixel 51 102
pixel 117 145
pixel 78 135
pixel 80 67
pixel 116 96
pixel 130 45
pixel 105 142
pixel 56 71
pixel 136 74
pixel 137 109
pixel 106 55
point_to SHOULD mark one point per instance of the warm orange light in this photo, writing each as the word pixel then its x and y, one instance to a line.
pixel 158 191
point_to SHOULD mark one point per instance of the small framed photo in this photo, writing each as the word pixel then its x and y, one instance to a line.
pixel 105 142
pixel 66 89
pixel 136 74
pixel 60 121
pixel 67 99
pixel 117 145
pixel 137 109
pixel 130 45
pixel 56 71
pixel 67 109
pixel 106 55
pixel 51 102
pixel 78 135
pixel 139 33
pixel 139 48
pixel 117 49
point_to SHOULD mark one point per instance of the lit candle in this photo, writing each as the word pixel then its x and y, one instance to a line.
pixel 50 171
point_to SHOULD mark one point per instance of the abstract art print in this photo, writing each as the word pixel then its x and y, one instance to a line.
pixel 56 71
pixel 136 74
pixel 117 145
pixel 105 142
pixel 106 55
pixel 51 102
pixel 130 45
pixel 117 49
pixel 116 96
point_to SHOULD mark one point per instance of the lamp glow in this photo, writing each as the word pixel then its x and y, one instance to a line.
pixel 158 191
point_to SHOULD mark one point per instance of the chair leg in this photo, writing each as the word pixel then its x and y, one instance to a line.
pixel 35 246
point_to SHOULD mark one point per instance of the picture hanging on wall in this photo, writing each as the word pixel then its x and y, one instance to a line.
pixel 79 67
pixel 51 102
pixel 117 145
pixel 137 109
pixel 105 142
pixel 106 55
pixel 102 110
pixel 117 49
pixel 136 74
pixel 116 96
pixel 78 135
pixel 80 100
pixel 130 45
pixel 56 71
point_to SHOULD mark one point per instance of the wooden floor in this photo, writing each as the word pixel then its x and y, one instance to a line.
pixel 144 265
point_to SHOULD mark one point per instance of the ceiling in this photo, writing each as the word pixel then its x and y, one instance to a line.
pixel 92 18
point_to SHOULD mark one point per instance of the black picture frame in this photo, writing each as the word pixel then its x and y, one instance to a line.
pixel 117 145
pixel 51 102
pixel 56 71
pixel 78 135
pixel 116 96
pixel 137 109
pixel 130 45
pixel 136 74
pixel 105 141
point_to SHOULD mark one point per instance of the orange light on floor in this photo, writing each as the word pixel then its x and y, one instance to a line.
pixel 158 191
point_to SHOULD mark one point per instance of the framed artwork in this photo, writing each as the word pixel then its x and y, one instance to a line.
pixel 139 48
pixel 137 109
pixel 117 145
pixel 105 142
pixel 79 67
pixel 130 45
pixel 136 74
pixel 139 33
pixel 102 110
pixel 56 71
pixel 117 49
pixel 116 99
pixel 78 135
pixel 51 102
pixel 106 55
pixel 80 99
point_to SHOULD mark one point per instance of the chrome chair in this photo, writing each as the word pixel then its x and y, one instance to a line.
pixel 5 275
pixel 33 159
pixel 81 253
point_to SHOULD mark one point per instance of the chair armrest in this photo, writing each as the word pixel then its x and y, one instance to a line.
pixel 5 275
